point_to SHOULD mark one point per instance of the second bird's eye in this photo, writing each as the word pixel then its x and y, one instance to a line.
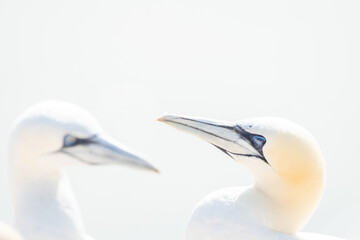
pixel 69 141
pixel 259 140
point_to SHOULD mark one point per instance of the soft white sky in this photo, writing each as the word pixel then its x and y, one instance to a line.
pixel 128 62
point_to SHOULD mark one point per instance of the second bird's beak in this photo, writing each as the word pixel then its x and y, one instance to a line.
pixel 102 150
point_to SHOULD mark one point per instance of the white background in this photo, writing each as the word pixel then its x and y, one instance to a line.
pixel 128 62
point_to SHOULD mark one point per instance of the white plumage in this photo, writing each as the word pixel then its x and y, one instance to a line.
pixel 288 169
pixel 45 140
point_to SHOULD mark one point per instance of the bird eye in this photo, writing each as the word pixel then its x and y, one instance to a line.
pixel 69 141
pixel 259 140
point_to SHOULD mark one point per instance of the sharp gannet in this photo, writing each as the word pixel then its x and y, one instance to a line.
pixel 48 138
pixel 288 169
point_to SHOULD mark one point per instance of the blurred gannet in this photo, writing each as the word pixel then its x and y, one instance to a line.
pixel 288 170
pixel 46 139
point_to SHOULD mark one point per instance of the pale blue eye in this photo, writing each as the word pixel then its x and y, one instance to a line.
pixel 69 141
pixel 259 140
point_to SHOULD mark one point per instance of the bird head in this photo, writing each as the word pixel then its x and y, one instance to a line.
pixel 278 152
pixel 55 135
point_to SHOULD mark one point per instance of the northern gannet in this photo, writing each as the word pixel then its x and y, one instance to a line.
pixel 48 138
pixel 288 169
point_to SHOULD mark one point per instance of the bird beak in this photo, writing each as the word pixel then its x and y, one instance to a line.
pixel 102 150
pixel 228 137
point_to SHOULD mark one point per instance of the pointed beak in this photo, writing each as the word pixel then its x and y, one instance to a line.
pixel 102 150
pixel 227 136
pixel 219 133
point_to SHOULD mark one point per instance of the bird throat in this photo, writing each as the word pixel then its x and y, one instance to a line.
pixel 45 207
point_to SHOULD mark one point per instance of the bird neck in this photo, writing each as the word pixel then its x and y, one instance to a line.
pixel 45 207
pixel 286 207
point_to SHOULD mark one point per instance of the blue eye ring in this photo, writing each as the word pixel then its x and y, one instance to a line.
pixel 258 140
pixel 70 140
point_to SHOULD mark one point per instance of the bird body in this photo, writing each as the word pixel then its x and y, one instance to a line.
pixel 232 214
pixel 288 168
pixel 47 139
